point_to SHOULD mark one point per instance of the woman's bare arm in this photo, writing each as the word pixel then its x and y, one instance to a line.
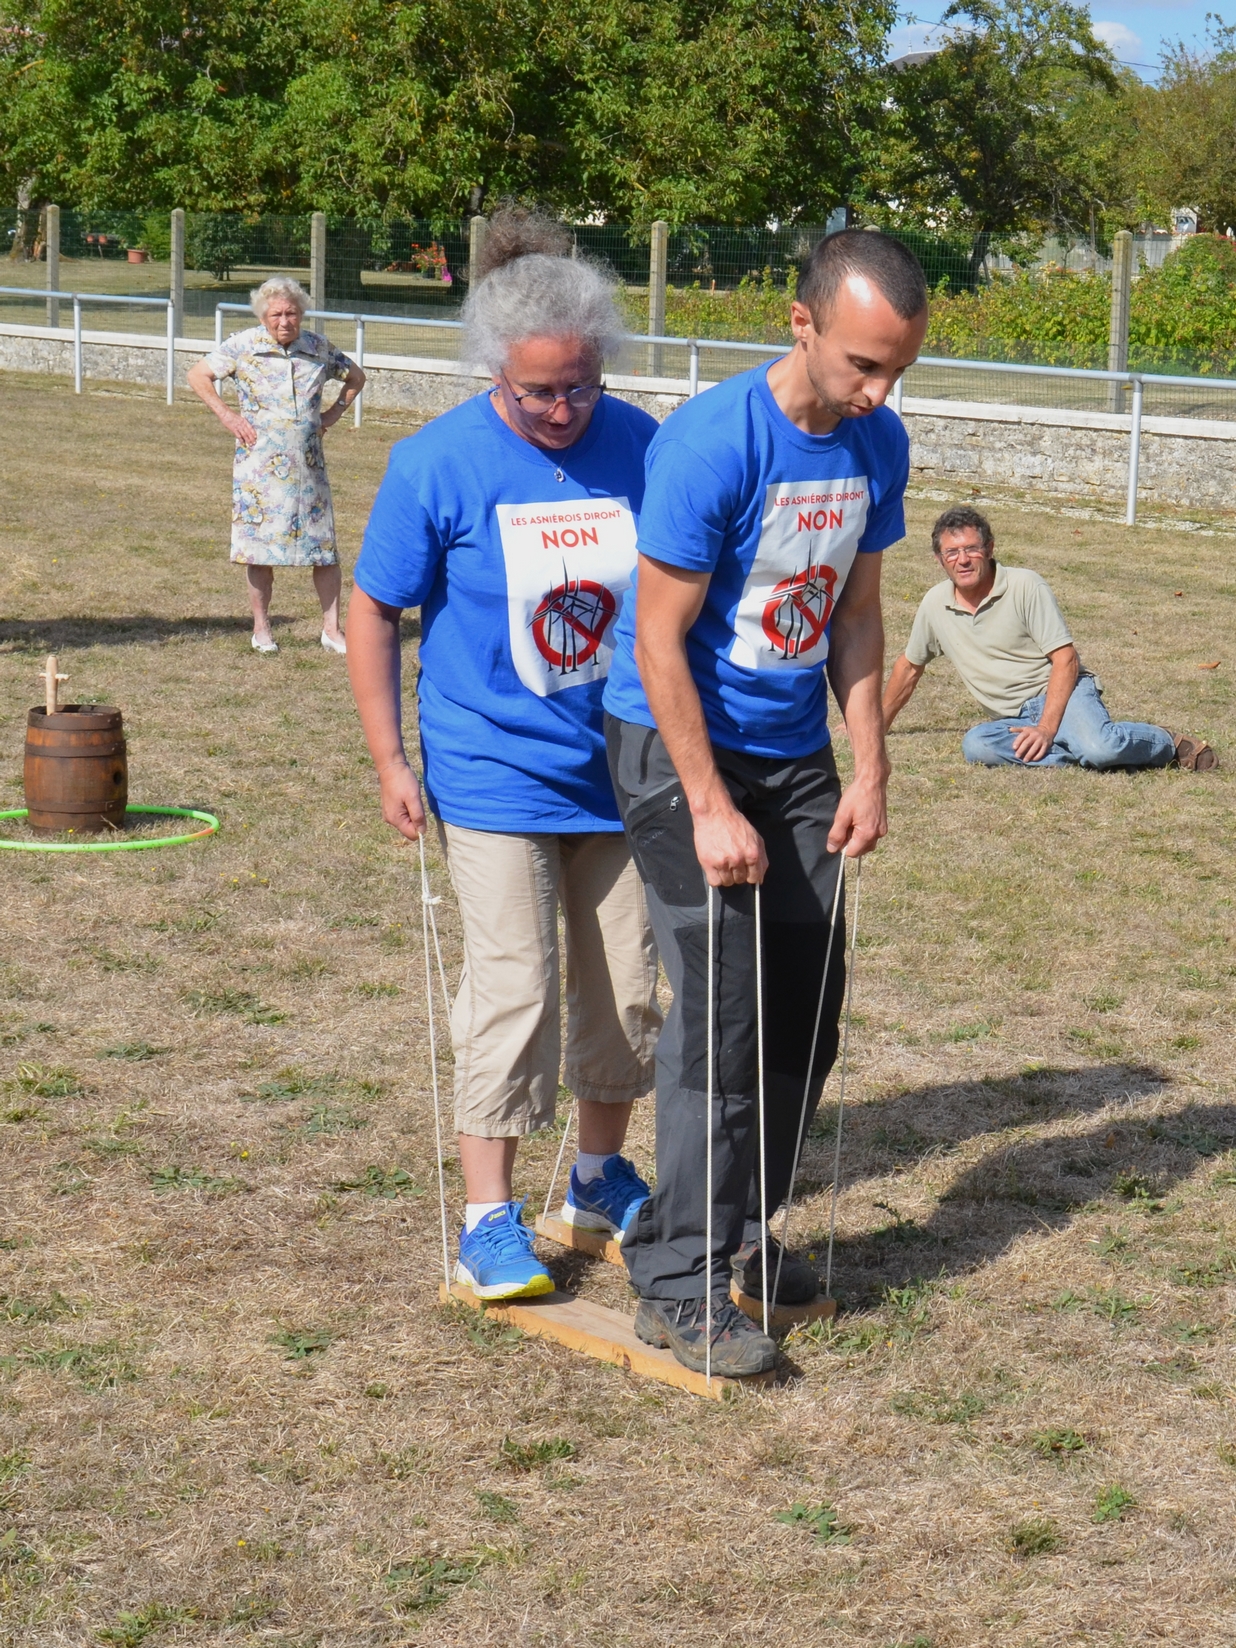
pixel 373 666
pixel 201 381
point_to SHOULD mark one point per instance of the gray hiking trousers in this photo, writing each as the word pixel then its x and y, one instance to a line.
pixel 792 804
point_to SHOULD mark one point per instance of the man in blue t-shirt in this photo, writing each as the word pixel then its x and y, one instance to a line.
pixel 769 500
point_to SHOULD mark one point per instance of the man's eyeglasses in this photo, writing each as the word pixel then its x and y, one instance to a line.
pixel 951 555
pixel 540 401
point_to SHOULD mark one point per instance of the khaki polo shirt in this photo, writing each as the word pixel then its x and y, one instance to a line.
pixel 1001 650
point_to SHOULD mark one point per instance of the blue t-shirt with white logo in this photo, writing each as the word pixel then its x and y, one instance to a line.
pixel 777 517
pixel 520 560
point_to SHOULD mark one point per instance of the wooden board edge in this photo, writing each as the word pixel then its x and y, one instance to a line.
pixel 623 1351
pixel 555 1229
pixel 783 1317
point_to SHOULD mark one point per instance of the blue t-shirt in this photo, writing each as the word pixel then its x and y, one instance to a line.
pixel 777 516
pixel 519 560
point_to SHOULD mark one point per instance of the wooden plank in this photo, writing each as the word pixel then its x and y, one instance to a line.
pixel 780 1317
pixel 783 1317
pixel 605 1334
pixel 554 1228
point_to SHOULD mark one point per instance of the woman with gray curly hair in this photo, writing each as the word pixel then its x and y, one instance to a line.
pixel 510 522
pixel 282 513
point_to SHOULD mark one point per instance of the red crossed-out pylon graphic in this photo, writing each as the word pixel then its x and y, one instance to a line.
pixel 569 624
pixel 797 614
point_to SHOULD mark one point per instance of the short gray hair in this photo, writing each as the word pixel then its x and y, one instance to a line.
pixel 540 296
pixel 278 286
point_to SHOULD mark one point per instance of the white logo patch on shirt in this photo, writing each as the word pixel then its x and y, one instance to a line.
pixel 808 540
pixel 568 567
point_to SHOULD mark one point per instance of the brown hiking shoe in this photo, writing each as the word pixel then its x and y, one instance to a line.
pixel 739 1349
pixel 1195 755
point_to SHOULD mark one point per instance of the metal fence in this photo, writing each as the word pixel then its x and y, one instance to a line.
pixel 77 299
pixel 694 362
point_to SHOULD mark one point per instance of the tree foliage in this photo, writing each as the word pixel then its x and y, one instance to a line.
pixel 713 110
pixel 1183 151
pixel 979 137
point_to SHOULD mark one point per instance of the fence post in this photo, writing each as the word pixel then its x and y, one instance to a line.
pixel 177 289
pixel 1118 335
pixel 360 361
pixel 477 229
pixel 1135 453
pixel 693 370
pixel 171 353
pixel 658 257
pixel 317 261
pixel 53 264
pixel 218 324
pixel 77 344
pixel 899 389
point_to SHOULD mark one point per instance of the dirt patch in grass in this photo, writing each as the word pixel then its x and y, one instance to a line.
pixel 231 1408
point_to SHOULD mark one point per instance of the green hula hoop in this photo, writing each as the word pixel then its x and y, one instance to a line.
pixel 208 819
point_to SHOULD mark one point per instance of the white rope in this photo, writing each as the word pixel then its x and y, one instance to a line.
pixel 708 1163
pixel 815 1037
pixel 759 1058
pixel 845 1056
pixel 427 919
pixel 566 1134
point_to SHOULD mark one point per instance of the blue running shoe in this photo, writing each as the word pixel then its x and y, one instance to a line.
pixel 496 1259
pixel 608 1203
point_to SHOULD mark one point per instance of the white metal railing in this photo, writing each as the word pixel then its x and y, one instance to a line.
pixel 1135 380
pixel 78 298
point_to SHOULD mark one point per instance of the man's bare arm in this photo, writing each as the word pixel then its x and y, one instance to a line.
pixel 1033 743
pixel 668 602
pixel 856 670
pixel 902 681
pixel 373 665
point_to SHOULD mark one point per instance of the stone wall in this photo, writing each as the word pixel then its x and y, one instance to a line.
pixel 1186 463
pixel 396 382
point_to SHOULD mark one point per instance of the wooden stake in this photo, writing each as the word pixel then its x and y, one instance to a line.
pixel 605 1334
pixel 594 1242
pixel 52 684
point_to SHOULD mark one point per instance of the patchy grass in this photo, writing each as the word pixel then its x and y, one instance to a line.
pixel 1111 1503
pixel 239 1000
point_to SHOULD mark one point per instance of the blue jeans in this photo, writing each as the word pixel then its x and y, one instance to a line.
pixel 1088 737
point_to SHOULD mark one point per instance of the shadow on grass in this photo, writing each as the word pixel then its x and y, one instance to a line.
pixel 39 635
pixel 1019 1186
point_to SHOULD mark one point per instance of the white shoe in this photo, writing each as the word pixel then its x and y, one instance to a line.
pixel 263 646
pixel 340 646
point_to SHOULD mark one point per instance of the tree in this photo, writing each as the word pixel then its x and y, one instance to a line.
pixel 718 110
pixel 979 137
pixel 1186 149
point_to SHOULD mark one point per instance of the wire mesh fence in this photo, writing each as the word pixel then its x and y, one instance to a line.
pixel 724 284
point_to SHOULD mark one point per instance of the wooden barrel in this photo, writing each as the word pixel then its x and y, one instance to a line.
pixel 77 770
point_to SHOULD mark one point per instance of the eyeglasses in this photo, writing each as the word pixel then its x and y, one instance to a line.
pixel 950 555
pixel 540 401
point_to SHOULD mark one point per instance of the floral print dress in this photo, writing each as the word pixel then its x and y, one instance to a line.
pixel 281 505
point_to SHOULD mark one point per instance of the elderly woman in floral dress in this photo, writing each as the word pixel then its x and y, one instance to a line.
pixel 281 504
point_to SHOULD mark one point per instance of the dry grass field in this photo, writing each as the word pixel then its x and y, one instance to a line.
pixel 231 1407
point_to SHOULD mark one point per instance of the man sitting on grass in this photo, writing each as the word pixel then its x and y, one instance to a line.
pixel 1006 637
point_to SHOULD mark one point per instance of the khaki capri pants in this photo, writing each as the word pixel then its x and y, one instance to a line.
pixel 506 1019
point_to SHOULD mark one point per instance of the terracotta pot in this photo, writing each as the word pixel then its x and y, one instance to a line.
pixel 136 256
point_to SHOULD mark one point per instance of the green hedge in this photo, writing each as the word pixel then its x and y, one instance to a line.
pixel 1182 317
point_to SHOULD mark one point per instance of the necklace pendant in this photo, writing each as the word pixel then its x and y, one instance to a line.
pixel 559 476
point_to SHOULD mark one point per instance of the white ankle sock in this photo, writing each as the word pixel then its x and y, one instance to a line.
pixel 590 1167
pixel 476 1211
